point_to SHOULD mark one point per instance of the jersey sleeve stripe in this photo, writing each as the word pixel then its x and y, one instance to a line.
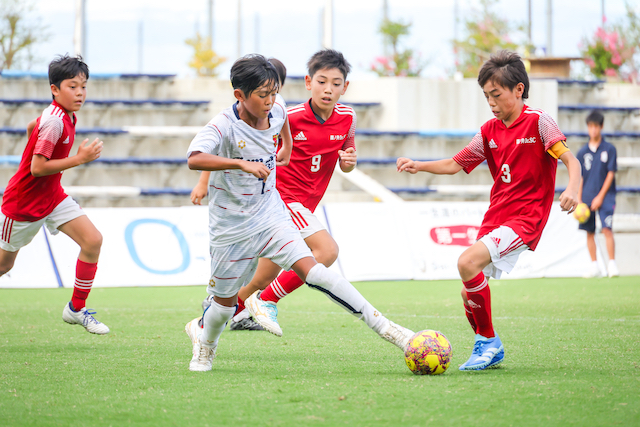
pixel 295 110
pixel 217 130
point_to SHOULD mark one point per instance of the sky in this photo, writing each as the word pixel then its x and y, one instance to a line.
pixel 289 30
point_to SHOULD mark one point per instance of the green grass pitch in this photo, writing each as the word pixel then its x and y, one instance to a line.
pixel 572 358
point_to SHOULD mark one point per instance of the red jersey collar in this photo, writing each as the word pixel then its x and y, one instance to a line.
pixel 313 113
pixel 519 119
pixel 72 117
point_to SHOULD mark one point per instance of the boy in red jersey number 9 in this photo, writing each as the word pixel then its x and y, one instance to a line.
pixel 521 146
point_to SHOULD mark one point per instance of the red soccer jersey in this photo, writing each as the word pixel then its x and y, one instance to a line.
pixel 315 153
pixel 26 197
pixel 524 173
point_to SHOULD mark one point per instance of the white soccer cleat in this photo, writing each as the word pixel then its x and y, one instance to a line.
pixel 264 313
pixel 202 356
pixel 85 318
pixel 397 335
pixel 613 269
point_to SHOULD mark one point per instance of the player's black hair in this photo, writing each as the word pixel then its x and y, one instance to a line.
pixel 252 71
pixel 65 67
pixel 327 59
pixel 281 69
pixel 506 69
pixel 596 117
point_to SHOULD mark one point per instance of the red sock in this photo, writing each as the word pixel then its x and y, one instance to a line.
pixel 85 273
pixel 479 300
pixel 239 307
pixel 285 283
pixel 472 322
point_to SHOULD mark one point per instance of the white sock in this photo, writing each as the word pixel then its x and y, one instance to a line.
pixel 244 314
pixel 215 320
pixel 341 292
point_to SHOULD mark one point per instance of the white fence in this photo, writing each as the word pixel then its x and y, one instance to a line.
pixel 378 241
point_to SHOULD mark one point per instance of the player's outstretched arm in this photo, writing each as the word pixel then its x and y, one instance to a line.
pixel 348 159
pixel 438 167
pixel 569 197
pixel 41 166
pixel 199 192
pixel 284 154
pixel 210 162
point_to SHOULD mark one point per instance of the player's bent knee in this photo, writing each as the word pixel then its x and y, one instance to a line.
pixel 93 243
pixel 328 255
pixel 465 263
pixel 6 266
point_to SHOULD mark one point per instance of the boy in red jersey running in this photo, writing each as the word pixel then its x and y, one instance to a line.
pixel 34 196
pixel 521 146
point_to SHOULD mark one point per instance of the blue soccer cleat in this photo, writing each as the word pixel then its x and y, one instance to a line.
pixel 486 352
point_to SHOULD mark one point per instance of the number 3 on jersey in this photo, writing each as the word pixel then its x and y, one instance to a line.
pixel 315 163
pixel 506 173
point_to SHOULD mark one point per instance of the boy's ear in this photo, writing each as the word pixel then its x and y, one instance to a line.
pixel 55 90
pixel 307 82
pixel 239 94
pixel 346 85
pixel 519 90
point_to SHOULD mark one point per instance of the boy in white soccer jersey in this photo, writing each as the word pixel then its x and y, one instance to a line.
pixel 247 218
pixel 34 196
pixel 242 319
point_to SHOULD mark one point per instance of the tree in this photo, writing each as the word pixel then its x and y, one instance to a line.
pixel 612 51
pixel 486 33
pixel 205 60
pixel 399 62
pixel 17 36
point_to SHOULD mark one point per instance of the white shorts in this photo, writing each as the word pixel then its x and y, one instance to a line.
pixel 304 219
pixel 505 246
pixel 17 234
pixel 234 265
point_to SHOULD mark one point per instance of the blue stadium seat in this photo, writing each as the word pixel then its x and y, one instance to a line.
pixel 567 82
pixel 111 101
pixel 582 107
pixel 13 74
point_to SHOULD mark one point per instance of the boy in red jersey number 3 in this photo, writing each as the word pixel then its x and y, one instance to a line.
pixel 521 146
pixel 34 196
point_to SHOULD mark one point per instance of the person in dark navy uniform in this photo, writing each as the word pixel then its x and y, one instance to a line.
pixel 598 190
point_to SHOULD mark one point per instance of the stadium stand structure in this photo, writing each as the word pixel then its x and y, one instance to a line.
pixel 147 122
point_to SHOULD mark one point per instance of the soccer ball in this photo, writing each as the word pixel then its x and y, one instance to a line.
pixel 582 213
pixel 428 353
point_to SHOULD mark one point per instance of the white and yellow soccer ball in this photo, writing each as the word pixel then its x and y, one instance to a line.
pixel 428 353
pixel 582 213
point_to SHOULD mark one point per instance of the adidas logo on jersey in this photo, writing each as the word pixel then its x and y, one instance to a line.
pixel 300 137
pixel 492 144
pixel 66 141
pixel 337 137
pixel 531 140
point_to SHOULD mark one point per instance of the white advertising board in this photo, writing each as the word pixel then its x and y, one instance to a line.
pixel 378 241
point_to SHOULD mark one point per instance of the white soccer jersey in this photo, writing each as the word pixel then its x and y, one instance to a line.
pixel 241 205
pixel 280 100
